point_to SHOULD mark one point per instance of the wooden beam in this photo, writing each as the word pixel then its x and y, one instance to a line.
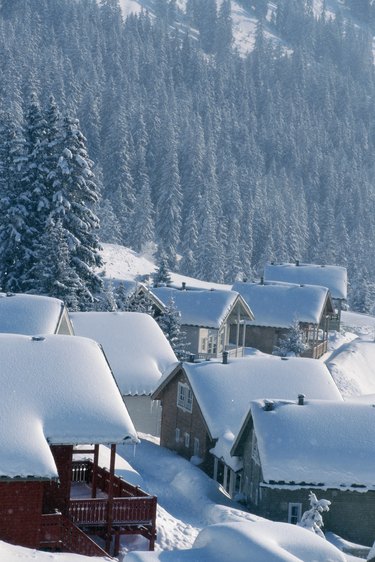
pixel 95 472
pixel 110 498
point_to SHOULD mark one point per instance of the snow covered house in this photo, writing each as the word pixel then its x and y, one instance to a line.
pixel 277 307
pixel 33 314
pixel 211 319
pixel 333 277
pixel 289 448
pixel 139 355
pixel 204 403
pixel 58 392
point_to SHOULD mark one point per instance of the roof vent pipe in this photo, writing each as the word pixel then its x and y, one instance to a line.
pixel 268 405
pixel 297 263
pixel 183 288
pixel 225 358
pixel 262 280
pixel 191 358
pixel 301 399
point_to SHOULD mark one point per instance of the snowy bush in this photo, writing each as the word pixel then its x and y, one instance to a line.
pixel 312 518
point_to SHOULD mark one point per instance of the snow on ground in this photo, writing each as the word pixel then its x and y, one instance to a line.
pixel 352 356
pixel 10 553
pixel 121 263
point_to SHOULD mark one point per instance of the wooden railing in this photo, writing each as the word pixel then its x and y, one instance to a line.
pixel 130 506
pixel 316 351
pixel 58 534
pixel 125 511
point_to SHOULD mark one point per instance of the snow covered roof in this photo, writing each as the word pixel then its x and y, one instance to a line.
pixel 320 442
pixel 56 390
pixel 332 276
pixel 224 392
pixel 205 308
pixel 29 314
pixel 137 350
pixel 281 304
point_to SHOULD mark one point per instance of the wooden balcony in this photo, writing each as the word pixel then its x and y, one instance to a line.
pixel 317 350
pixel 130 510
pixel 104 506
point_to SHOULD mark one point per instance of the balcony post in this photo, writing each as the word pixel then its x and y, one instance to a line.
pixel 110 498
pixel 95 471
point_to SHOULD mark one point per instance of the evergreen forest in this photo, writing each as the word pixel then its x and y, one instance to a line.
pixel 224 161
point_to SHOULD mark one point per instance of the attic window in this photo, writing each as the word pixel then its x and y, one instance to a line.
pixel 184 397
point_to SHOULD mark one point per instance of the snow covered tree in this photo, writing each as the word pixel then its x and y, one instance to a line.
pixel 161 275
pixel 312 518
pixel 169 322
pixel 75 195
pixel 292 343
pixel 53 274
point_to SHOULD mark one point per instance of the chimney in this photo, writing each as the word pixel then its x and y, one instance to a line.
pixel 301 399
pixel 261 281
pixel 297 263
pixel 183 287
pixel 268 405
pixel 225 358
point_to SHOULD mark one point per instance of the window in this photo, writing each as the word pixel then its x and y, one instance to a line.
pixel 187 440
pixel 177 437
pixel 184 397
pixel 196 447
pixel 294 513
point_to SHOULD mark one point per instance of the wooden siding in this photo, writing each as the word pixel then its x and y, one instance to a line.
pixel 20 512
pixel 192 423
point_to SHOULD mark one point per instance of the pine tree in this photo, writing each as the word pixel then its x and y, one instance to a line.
pixel 169 322
pixel 292 343
pixel 312 518
pixel 75 195
pixel 161 277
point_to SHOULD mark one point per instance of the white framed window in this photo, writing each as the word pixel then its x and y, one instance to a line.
pixel 177 435
pixel 196 447
pixel 184 397
pixel 294 513
pixel 187 440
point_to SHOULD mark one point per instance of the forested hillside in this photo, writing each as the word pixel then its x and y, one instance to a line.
pixel 228 161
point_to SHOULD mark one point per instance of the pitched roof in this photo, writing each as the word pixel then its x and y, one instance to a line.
pixel 56 390
pixel 280 304
pixel 135 346
pixel 205 308
pixel 332 276
pixel 224 392
pixel 29 314
pixel 321 442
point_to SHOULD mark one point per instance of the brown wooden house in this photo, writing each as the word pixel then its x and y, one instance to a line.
pixel 333 277
pixel 59 392
pixel 289 448
pixel 278 307
pixel 204 403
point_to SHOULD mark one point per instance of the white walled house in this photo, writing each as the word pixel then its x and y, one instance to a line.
pixel 139 355
pixel 212 319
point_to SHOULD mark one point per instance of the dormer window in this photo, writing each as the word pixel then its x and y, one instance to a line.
pixel 184 397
